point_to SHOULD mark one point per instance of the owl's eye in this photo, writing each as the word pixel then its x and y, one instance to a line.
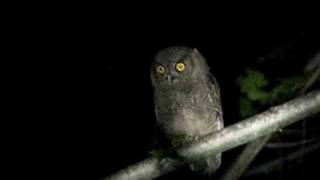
pixel 180 67
pixel 160 69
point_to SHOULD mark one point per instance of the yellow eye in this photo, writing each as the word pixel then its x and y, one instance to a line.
pixel 180 67
pixel 160 69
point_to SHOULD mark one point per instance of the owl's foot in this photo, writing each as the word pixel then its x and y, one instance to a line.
pixel 191 138
pixel 181 140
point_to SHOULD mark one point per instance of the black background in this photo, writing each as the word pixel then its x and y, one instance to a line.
pixel 96 108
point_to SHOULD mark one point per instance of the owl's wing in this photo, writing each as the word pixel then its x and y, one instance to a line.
pixel 214 162
pixel 160 140
pixel 216 98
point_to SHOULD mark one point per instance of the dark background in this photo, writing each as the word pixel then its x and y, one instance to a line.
pixel 100 116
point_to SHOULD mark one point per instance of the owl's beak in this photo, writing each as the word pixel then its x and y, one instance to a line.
pixel 168 78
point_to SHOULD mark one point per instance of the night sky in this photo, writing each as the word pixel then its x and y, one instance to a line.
pixel 103 116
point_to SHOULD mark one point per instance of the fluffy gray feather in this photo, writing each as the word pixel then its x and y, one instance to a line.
pixel 187 99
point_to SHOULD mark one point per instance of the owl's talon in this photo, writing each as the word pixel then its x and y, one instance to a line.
pixel 190 138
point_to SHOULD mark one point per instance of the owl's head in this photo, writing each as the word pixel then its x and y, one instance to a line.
pixel 176 66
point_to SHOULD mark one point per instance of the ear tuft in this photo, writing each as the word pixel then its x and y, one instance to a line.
pixel 195 51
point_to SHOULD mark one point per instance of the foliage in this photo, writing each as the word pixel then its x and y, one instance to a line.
pixel 259 91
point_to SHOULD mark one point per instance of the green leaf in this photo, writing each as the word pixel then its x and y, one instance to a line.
pixel 253 80
pixel 246 107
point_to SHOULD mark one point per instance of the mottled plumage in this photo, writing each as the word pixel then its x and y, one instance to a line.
pixel 187 99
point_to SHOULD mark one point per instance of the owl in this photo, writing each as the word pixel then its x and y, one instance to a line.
pixel 187 100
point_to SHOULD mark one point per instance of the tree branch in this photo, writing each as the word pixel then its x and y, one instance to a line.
pixel 252 150
pixel 247 156
pixel 268 167
pixel 230 137
pixel 277 145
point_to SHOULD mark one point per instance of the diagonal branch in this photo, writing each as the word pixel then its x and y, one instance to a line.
pixel 230 137
pixel 246 157
pixel 268 167
pixel 252 149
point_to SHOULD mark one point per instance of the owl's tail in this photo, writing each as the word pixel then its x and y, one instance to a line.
pixel 208 167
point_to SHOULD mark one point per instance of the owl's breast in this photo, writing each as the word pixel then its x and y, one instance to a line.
pixel 190 122
pixel 181 113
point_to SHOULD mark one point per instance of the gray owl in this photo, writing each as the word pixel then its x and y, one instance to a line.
pixel 187 100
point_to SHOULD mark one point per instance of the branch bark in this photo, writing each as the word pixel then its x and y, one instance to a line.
pixel 230 137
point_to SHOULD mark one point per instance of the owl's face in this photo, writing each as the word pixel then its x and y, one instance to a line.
pixel 176 66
